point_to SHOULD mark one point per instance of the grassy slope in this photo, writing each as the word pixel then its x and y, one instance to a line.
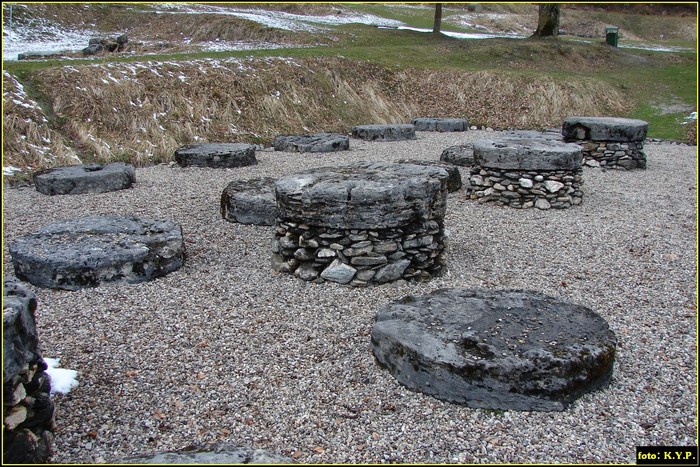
pixel 496 82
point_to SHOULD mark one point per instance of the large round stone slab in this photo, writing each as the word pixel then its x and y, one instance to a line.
pixel 523 153
pixel 89 251
pixel 250 201
pixel 216 155
pixel 396 132
pixel 321 142
pixel 604 129
pixel 85 178
pixel 509 349
pixel 366 195
pixel 441 124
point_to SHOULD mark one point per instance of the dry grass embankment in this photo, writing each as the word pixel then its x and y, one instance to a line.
pixel 141 112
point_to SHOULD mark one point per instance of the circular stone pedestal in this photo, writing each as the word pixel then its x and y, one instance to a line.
pixel 89 251
pixel 321 142
pixel 608 141
pixel 441 124
pixel 86 178
pixel 509 349
pixel 524 172
pixel 368 223
pixel 384 132
pixel 216 155
pixel 250 201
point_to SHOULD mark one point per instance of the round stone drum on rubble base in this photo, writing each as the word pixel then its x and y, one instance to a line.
pixel 362 224
pixel 523 172
pixel 440 124
pixel 216 155
pixel 89 251
pixel 397 132
pixel 85 178
pixel 507 350
pixel 609 141
pixel 250 201
pixel 320 142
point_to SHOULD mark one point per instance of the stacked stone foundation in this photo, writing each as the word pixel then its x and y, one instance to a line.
pixel 28 412
pixel 360 257
pixel 614 155
pixel 556 189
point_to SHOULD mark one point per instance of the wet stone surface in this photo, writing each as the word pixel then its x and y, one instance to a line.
pixel 250 201
pixel 507 349
pixel 216 155
pixel 85 178
pixel 89 251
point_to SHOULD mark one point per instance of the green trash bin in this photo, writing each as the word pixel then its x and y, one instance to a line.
pixel 611 36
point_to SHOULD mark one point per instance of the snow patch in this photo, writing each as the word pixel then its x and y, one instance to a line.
pixel 62 380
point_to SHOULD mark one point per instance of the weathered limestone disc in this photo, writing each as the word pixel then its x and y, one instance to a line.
pixel 604 129
pixel 250 201
pixel 321 142
pixel 527 154
pixel 454 179
pixel 508 349
pixel 441 124
pixel 396 132
pixel 89 251
pixel 85 178
pixel 366 195
pixel 216 155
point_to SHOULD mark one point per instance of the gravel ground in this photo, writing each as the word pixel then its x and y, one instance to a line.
pixel 225 349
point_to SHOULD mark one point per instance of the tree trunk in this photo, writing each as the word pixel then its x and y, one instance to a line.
pixel 548 21
pixel 438 18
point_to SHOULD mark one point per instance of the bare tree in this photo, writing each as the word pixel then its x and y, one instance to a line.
pixel 548 20
pixel 438 18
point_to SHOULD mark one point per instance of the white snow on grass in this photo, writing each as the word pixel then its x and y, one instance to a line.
pixel 281 19
pixel 10 170
pixel 42 38
pixel 461 35
pixel 62 380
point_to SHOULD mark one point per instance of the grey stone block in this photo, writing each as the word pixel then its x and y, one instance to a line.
pixel 509 349
pixel 250 201
pixel 86 178
pixel 522 153
pixel 441 124
pixel 89 251
pixel 216 155
pixel 396 132
pixel 321 142
pixel 368 195
pixel 604 129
